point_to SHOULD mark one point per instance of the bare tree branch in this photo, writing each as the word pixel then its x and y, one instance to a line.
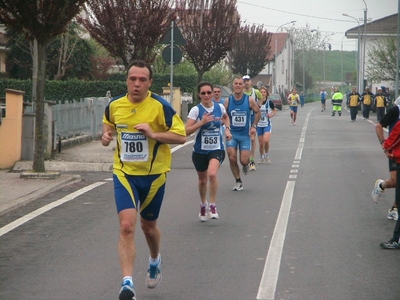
pixel 128 29
pixel 383 65
pixel 250 50
pixel 209 27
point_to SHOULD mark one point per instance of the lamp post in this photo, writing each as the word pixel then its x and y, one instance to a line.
pixel 276 50
pixel 358 51
pixel 304 69
pixel 342 57
pixel 323 44
pixel 364 42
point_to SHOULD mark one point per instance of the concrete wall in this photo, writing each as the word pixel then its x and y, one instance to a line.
pixel 11 129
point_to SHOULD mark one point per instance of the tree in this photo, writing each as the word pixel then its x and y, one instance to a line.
pixel 250 50
pixel 128 29
pixel 383 65
pixel 209 28
pixel 40 21
pixel 75 64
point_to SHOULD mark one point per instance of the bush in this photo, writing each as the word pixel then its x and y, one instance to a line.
pixel 78 89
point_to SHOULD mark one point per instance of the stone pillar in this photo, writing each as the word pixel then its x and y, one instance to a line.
pixel 11 129
pixel 176 104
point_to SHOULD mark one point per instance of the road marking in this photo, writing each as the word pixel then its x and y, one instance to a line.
pixel 269 279
pixel 180 146
pixel 42 210
pixel 7 228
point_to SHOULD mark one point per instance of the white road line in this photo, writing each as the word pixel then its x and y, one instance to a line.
pixel 38 212
pixel 269 279
pixel 180 146
pixel 7 228
pixel 270 275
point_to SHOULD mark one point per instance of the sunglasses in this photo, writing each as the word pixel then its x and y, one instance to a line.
pixel 204 93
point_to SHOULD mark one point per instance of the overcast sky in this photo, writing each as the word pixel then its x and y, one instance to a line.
pixel 325 15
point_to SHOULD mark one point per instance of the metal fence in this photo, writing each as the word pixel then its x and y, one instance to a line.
pixel 73 119
pixel 79 118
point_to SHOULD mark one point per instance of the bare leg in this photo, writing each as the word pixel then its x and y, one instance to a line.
pixel 212 176
pixel 202 185
pixel 232 155
pixel 126 244
pixel 153 236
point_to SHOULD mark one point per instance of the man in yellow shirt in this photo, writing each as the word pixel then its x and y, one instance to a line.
pixel 380 104
pixel 145 124
pixel 367 99
pixel 294 101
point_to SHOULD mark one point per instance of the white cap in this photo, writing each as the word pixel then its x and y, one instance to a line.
pixel 246 77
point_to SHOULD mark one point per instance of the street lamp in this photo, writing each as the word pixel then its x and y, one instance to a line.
pixel 342 58
pixel 276 50
pixel 358 51
pixel 364 42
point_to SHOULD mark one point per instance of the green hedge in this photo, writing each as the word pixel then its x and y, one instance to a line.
pixel 79 89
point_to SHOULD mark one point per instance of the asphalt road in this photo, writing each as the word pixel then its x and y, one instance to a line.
pixel 304 227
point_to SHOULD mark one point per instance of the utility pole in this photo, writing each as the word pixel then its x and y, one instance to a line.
pixel 364 42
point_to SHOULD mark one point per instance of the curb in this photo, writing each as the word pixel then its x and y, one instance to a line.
pixel 40 192
pixel 60 166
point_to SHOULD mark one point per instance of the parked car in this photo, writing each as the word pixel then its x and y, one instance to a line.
pixel 277 100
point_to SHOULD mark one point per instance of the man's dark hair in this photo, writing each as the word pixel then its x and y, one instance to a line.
pixel 140 64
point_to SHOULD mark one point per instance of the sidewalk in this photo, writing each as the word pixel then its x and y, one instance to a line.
pixel 16 191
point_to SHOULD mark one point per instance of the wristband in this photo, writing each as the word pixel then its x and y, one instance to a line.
pixel 381 141
pixel 228 128
pixel 254 126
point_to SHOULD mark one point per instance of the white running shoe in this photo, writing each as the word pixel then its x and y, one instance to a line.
pixel 267 160
pixel 393 214
pixel 153 277
pixel 261 160
pixel 377 192
pixel 212 212
pixel 238 186
pixel 203 214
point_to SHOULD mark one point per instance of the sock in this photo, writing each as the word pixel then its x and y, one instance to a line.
pixel 238 180
pixel 266 155
pixel 381 187
pixel 212 204
pixel 154 261
pixel 129 278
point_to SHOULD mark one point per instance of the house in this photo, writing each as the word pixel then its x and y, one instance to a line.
pixel 375 32
pixel 279 71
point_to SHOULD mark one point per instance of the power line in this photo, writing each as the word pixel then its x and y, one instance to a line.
pixel 296 14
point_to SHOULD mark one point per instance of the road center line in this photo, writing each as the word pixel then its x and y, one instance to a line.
pixel 269 279
pixel 7 228
pixel 270 275
pixel 42 210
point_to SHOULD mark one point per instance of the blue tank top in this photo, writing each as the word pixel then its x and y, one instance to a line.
pixel 239 113
pixel 209 136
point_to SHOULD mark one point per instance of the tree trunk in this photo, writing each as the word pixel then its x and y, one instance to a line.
pixel 40 137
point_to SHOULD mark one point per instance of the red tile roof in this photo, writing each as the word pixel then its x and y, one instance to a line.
pixel 280 38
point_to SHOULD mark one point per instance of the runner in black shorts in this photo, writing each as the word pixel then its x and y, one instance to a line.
pixel 206 120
